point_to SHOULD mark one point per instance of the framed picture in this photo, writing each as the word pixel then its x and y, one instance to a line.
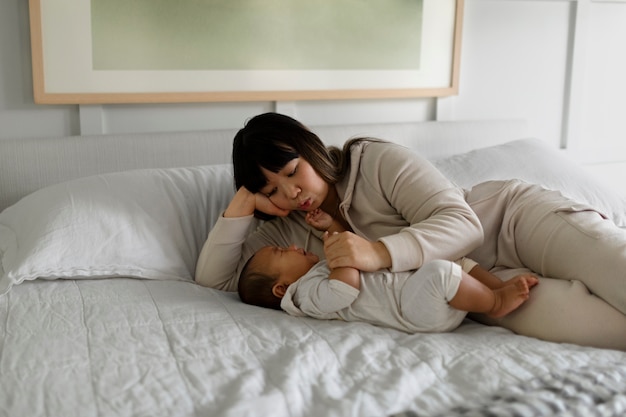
pixel 160 51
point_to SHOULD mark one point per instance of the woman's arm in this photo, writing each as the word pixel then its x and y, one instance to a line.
pixel 232 241
pixel 347 275
pixel 404 211
pixel 350 250
pixel 244 203
pixel 440 223
pixel 221 256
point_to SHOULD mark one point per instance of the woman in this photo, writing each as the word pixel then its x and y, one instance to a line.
pixel 400 212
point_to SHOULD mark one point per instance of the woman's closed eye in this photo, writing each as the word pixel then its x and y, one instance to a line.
pixel 273 191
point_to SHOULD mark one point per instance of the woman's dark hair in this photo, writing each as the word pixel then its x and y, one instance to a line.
pixel 271 140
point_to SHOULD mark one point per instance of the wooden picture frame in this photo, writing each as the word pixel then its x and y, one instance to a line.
pixel 62 40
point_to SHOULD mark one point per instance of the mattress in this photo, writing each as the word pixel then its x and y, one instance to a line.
pixel 129 347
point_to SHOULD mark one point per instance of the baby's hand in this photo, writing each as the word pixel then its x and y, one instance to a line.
pixel 319 219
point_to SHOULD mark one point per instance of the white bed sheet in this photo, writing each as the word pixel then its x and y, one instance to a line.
pixel 127 347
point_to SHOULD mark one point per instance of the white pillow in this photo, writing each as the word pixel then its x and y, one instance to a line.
pixel 534 161
pixel 152 223
pixel 148 223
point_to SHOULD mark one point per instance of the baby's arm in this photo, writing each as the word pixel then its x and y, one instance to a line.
pixel 347 275
pixel 321 220
pixel 322 294
pixel 325 292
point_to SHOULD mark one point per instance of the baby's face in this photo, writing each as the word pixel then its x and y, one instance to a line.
pixel 291 263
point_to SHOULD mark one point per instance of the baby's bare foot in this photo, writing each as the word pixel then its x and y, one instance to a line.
pixel 530 279
pixel 511 296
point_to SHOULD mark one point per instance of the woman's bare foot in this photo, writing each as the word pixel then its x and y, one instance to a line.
pixel 512 295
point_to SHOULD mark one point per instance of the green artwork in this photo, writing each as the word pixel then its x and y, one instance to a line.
pixel 256 34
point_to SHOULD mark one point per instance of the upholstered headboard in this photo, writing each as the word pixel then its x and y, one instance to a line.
pixel 30 164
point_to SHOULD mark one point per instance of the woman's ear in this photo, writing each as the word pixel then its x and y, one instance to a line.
pixel 279 289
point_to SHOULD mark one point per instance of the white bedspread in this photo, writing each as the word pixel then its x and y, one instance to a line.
pixel 123 347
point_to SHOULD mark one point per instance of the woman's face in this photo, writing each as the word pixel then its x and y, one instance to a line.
pixel 295 187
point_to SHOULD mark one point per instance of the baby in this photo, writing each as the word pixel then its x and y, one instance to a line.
pixel 434 298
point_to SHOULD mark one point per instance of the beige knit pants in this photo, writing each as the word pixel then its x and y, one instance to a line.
pixel 579 255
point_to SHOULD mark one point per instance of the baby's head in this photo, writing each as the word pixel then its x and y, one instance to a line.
pixel 269 272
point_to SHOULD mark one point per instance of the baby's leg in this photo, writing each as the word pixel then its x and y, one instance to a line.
pixel 424 297
pixel 529 278
pixel 510 297
pixel 473 296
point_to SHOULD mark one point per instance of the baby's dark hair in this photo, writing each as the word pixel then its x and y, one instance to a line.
pixel 255 285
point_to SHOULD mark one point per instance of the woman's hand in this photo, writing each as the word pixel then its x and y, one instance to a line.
pixel 244 203
pixel 349 250
pixel 264 204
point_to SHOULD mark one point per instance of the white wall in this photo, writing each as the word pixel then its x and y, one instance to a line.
pixel 558 64
pixel 603 122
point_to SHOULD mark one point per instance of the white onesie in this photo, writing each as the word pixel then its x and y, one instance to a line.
pixel 414 301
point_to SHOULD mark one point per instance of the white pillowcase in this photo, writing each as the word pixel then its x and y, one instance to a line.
pixel 148 223
pixel 534 161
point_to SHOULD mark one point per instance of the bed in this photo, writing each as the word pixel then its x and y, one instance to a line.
pixel 100 315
